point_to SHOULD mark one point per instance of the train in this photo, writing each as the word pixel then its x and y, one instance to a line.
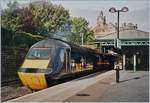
pixel 52 59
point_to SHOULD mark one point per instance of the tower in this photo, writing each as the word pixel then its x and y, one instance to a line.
pixel 101 19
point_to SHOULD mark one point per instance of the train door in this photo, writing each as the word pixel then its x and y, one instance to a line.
pixel 75 61
pixel 67 60
pixel 89 62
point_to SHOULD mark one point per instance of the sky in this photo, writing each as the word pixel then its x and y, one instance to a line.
pixel 89 9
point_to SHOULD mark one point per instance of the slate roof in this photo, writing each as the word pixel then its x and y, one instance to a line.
pixel 123 34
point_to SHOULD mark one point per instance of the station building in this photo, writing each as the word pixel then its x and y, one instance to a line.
pixel 134 42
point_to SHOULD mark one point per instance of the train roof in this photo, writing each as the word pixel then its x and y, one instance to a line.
pixel 50 42
pixel 54 42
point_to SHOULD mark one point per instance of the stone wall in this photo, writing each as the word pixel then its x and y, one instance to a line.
pixel 11 60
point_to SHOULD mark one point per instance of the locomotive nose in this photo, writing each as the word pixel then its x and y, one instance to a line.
pixel 33 80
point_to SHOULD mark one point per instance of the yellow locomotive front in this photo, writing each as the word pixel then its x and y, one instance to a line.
pixel 32 71
pixel 41 62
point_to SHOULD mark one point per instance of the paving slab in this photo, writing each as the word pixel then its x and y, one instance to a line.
pixel 133 87
pixel 94 92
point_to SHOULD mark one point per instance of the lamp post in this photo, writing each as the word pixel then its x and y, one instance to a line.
pixel 114 10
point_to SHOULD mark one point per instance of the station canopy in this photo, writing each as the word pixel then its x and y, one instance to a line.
pixel 128 37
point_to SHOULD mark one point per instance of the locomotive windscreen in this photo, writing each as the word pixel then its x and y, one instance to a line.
pixel 40 53
pixel 38 58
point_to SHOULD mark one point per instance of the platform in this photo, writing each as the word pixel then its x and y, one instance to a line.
pixel 133 86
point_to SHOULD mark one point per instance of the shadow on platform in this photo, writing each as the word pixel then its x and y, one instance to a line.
pixel 133 78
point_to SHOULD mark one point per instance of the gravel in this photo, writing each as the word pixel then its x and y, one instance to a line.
pixel 11 92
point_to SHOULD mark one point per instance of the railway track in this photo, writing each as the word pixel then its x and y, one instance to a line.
pixel 11 82
pixel 12 89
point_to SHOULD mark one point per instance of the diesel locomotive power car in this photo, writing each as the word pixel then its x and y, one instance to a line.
pixel 51 59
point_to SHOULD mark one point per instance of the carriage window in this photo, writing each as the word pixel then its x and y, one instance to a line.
pixel 39 53
pixel 62 55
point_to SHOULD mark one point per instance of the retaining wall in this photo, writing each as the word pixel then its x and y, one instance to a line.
pixel 11 60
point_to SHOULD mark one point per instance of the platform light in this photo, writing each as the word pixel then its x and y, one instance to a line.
pixel 112 10
pixel 124 9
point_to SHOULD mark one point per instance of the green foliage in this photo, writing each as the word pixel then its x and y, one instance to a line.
pixel 19 39
pixel 9 18
pixel 43 19
pixel 49 18
pixel 79 27
pixel 24 39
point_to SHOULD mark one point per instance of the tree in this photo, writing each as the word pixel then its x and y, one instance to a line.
pixel 79 26
pixel 9 18
pixel 51 18
pixel 44 19
pixel 23 39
